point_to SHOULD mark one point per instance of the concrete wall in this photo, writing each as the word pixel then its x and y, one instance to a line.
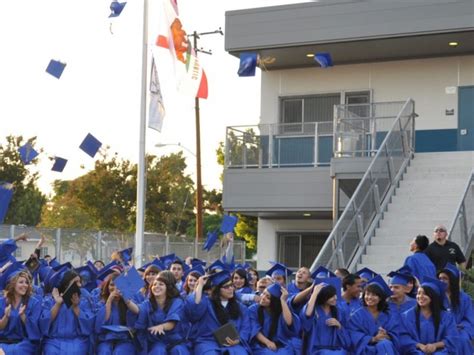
pixel 267 248
pixel 424 80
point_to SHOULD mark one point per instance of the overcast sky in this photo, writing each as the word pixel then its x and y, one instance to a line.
pixel 99 92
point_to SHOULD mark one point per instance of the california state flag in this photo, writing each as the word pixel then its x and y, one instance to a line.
pixel 190 77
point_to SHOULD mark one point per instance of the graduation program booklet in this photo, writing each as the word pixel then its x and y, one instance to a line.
pixel 227 330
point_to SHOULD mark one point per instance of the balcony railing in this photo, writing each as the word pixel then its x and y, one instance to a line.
pixel 279 145
pixel 462 227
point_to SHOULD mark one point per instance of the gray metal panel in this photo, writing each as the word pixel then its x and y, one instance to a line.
pixel 290 189
pixel 336 21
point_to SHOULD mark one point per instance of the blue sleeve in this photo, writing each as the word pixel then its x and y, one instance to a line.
pixel 295 327
pixel 143 314
pixel 245 326
pixel 196 311
pixel 175 312
pixel 255 326
pixel 33 312
pixel 359 335
pixel 307 322
pixel 45 316
pixel 7 248
pixel 466 326
pixel 86 320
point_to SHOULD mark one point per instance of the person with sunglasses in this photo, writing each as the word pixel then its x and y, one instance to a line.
pixel 442 251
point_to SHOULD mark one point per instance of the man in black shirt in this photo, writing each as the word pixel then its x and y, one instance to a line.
pixel 441 250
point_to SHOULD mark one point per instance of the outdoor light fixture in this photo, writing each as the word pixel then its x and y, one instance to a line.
pixel 453 44
pixel 310 55
pixel 307 214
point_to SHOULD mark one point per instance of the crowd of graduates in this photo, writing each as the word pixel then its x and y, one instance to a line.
pixel 175 306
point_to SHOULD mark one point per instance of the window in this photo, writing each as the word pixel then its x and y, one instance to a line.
pixel 300 249
pixel 358 98
pixel 43 252
pixel 17 253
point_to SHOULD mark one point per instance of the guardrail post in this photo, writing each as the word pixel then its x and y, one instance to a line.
pixel 360 229
pixel 377 198
pixel 340 258
pixel 58 245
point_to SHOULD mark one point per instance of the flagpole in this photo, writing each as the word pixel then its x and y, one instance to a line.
pixel 141 166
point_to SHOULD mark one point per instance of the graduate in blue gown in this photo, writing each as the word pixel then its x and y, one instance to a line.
pixel 114 322
pixel 419 263
pixel 273 324
pixel 151 272
pixel 19 314
pixel 458 303
pixel 65 325
pixel 324 322
pixel 427 328
pixel 301 282
pixel 399 301
pixel 7 248
pixel 373 329
pixel 208 313
pixel 351 290
pixel 243 291
pixel 161 323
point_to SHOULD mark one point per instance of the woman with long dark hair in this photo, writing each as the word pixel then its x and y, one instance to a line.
pixel 190 282
pixel 209 313
pixel 151 271
pixel 372 327
pixel 161 322
pixel 273 323
pixel 427 328
pixel 19 314
pixel 242 288
pixel 114 322
pixel 458 303
pixel 324 322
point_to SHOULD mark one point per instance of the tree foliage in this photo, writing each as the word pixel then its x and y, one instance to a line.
pixel 28 201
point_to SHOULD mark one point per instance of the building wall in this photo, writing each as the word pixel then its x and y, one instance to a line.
pixel 424 80
pixel 267 248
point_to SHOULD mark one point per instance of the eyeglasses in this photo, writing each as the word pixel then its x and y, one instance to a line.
pixel 228 286
pixel 440 230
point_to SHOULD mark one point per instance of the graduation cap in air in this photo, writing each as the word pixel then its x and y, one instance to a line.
pixel 7 248
pixel 88 277
pixel 219 278
pixel 398 278
pixel 10 272
pixel 210 240
pixel 90 145
pixel 59 164
pixel 379 281
pixel 248 64
pixel 366 273
pixel 6 194
pixel 321 272
pixel 274 290
pixel 198 269
pixel 116 8
pixel 228 223
pixel 27 153
pixel 333 281
pixel 323 59
pixel 129 283
pixel 55 68
pixel 451 268
pixel 126 254
pixel 279 269
pixel 109 269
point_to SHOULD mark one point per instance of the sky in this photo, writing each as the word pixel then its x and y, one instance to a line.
pixel 99 91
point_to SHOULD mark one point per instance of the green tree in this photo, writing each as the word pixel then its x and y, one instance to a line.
pixel 28 201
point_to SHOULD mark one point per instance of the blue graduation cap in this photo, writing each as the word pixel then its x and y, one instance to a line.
pixel 248 63
pixel 43 272
pixel 380 282
pixel 366 273
pixel 116 8
pixel 324 59
pixel 198 268
pixel 451 268
pixel 117 329
pixel 244 266
pixel 398 278
pixel 55 68
pixel 88 276
pixel 196 261
pixel 6 194
pixel 274 290
pixel 7 248
pixel 219 278
pixel 155 262
pixel 90 145
pixel 279 269
pixel 56 278
pixel 333 281
pixel 59 164
pixel 168 259
pixel 210 240
pixel 217 265
pixel 321 273
pixel 53 262
pixel 27 153
pixel 67 264
pixel 228 223
pixel 11 271
pixel 126 254
pixel 109 269
pixel 436 285
pixel 129 283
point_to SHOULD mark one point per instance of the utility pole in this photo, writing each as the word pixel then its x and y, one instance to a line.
pixel 199 209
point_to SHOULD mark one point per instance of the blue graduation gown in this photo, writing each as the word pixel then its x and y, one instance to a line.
pixel 205 322
pixel 282 336
pixel 420 265
pixel 463 317
pixel 323 339
pixel 362 327
pixel 67 334
pixel 26 334
pixel 247 293
pixel 349 308
pixel 293 289
pixel 110 342
pixel 407 303
pixel 410 336
pixel 172 341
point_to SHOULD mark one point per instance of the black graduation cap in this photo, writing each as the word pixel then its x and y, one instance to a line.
pixel 6 194
pixel 90 145
pixel 116 8
pixel 55 68
pixel 59 164
pixel 27 153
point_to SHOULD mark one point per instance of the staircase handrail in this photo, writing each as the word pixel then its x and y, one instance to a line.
pixel 336 246
pixel 466 227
